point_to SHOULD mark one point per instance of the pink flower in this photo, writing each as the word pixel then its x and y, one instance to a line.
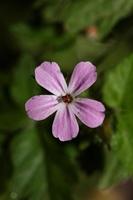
pixel 65 101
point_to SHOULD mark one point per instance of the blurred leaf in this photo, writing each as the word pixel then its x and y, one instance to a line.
pixel 29 170
pixel 118 94
pixel 41 40
pixel 81 49
pixel 12 119
pixel 2 138
pixel 123 141
pixel 40 170
pixel 30 39
pixel 101 13
pixel 117 83
pixel 115 11
pixel 24 85
pixel 113 58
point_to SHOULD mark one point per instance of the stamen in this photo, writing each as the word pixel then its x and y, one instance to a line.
pixel 66 99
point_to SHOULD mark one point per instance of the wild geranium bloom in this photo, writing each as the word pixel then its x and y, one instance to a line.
pixel 65 101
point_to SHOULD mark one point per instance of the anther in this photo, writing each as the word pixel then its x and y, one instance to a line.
pixel 67 98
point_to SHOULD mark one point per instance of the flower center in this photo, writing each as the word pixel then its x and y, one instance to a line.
pixel 67 98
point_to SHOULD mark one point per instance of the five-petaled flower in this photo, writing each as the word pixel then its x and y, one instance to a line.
pixel 65 99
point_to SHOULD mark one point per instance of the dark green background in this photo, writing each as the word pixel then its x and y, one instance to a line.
pixel 33 164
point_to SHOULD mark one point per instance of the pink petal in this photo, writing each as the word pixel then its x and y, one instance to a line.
pixel 49 76
pixel 84 75
pixel 40 107
pixel 65 126
pixel 90 112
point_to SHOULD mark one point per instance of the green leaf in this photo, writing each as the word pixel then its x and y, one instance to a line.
pixel 116 83
pixel 24 85
pixel 32 40
pixel 81 49
pixel 118 95
pixel 29 172
pixel 101 13
pixel 12 119
pixel 41 168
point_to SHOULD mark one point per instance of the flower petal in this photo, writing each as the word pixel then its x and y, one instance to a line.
pixel 65 126
pixel 40 107
pixel 90 112
pixel 49 76
pixel 84 75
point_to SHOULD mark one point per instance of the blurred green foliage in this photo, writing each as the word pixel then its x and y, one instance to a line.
pixel 33 164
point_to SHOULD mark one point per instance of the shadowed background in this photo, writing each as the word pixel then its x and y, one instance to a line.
pixel 33 164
